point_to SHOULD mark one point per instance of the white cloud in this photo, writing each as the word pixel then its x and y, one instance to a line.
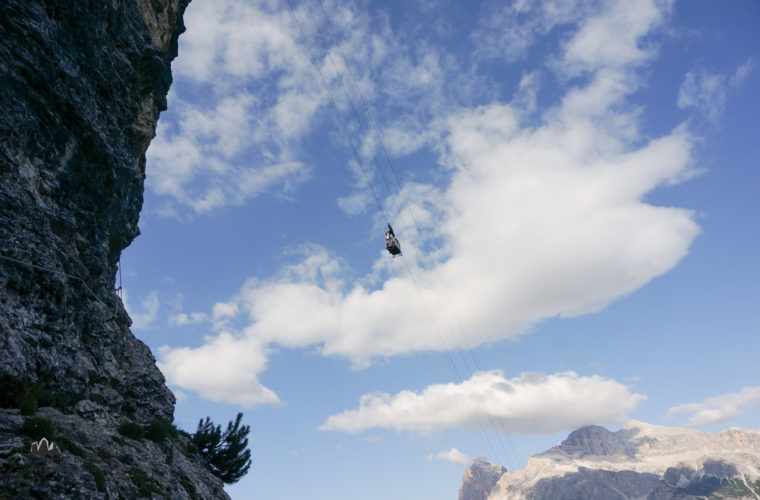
pixel 223 370
pixel 148 312
pixel 229 147
pixel 612 38
pixel 453 455
pixel 182 319
pixel 509 29
pixel 535 224
pixel 538 220
pixel 717 409
pixel 705 92
pixel 743 72
pixel 225 310
pixel 532 403
pixel 215 157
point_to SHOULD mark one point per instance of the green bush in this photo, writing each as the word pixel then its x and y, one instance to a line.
pixel 189 488
pixel 57 399
pixel 97 474
pixel 159 430
pixel 66 444
pixel 27 396
pixel 38 428
pixel 131 430
pixel 19 393
pixel 145 486
pixel 11 389
pixel 28 402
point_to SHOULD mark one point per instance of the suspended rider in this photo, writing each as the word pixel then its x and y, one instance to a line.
pixel 391 243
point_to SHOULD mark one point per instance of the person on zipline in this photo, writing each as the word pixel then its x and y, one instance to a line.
pixel 391 243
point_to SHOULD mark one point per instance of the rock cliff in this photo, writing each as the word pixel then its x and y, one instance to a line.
pixel 82 83
pixel 479 479
pixel 639 461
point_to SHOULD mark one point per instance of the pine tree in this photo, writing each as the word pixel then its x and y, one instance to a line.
pixel 225 453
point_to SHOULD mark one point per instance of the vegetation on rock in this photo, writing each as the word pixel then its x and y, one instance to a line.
pixel 97 475
pixel 131 430
pixel 225 453
pixel 159 430
pixel 27 396
pixel 38 428
pixel 145 486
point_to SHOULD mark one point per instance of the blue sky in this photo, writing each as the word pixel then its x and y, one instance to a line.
pixel 574 185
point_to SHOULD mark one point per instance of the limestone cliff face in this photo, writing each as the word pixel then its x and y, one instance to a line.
pixel 82 83
pixel 638 461
pixel 479 479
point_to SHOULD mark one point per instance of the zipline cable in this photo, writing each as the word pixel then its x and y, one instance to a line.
pixel 414 218
pixel 370 184
pixel 334 105
pixel 346 92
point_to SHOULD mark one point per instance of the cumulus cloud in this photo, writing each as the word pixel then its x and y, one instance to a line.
pixel 453 455
pixel 182 319
pixel 213 157
pixel 222 144
pixel 717 409
pixel 612 38
pixel 143 317
pixel 228 146
pixel 225 310
pixel 222 370
pixel 537 220
pixel 533 403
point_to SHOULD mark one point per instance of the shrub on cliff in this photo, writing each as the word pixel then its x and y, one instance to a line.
pixel 159 430
pixel 26 395
pixel 131 430
pixel 225 453
pixel 38 428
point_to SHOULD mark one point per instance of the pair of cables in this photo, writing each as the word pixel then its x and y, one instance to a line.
pixel 495 424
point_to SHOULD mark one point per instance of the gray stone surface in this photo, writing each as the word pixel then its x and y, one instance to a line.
pixel 82 84
pixel 479 478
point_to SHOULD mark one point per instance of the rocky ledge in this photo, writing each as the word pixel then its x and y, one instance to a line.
pixel 82 84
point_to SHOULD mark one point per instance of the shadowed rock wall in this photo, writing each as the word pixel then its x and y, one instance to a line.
pixel 82 83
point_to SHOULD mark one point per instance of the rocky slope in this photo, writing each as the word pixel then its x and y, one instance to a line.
pixel 82 84
pixel 640 461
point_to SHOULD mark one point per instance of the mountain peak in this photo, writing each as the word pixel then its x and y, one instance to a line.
pixel 638 461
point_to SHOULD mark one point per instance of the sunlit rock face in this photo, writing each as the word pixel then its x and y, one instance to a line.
pixel 82 84
pixel 638 461
pixel 479 479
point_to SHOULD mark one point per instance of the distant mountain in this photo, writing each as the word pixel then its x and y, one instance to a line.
pixel 479 479
pixel 640 461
